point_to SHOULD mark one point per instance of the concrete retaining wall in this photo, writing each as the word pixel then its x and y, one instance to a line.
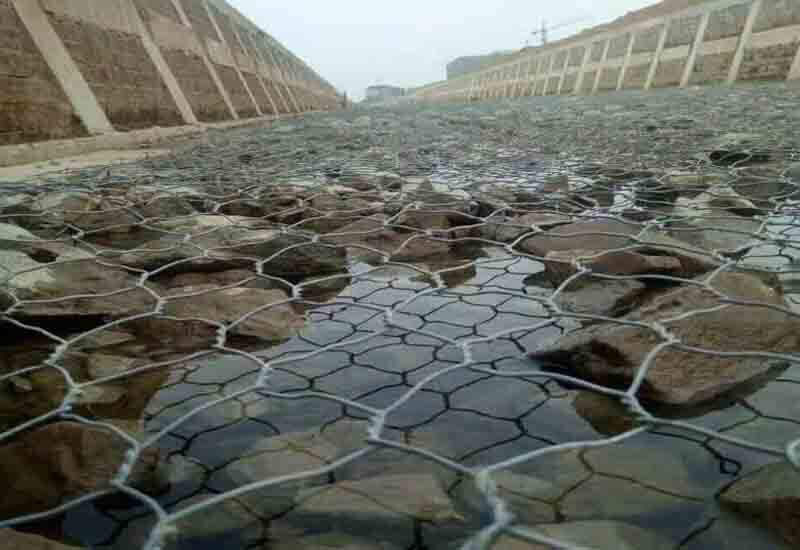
pixel 75 68
pixel 719 41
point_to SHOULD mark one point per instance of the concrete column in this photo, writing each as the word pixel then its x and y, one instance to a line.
pixel 181 13
pixel 472 89
pixel 163 69
pixel 662 41
pixel 524 77
pixel 259 61
pixel 744 41
pixel 63 66
pixel 548 71
pixel 698 43
pixel 275 78
pixel 626 61
pixel 233 56
pixel 582 70
pixel 515 85
pixel 207 62
pixel 601 66
pixel 484 87
pixel 794 72
pixel 563 74
pixel 288 90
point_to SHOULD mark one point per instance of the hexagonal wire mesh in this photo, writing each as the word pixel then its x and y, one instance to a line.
pixel 429 326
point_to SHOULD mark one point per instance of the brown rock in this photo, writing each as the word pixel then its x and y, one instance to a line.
pixel 371 232
pixel 560 265
pixel 229 305
pixel 771 496
pixel 229 247
pixel 64 460
pixel 657 253
pixel 422 219
pixel 610 354
pixel 602 297
pixel 15 540
pixel 607 415
pixel 583 235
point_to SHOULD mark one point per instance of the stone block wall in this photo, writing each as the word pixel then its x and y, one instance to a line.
pixel 775 42
pixel 706 42
pixel 119 71
pixel 67 66
pixel 33 107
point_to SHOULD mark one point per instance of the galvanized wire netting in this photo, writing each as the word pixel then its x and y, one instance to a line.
pixel 426 327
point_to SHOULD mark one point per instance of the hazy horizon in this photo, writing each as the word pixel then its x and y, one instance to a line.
pixel 355 43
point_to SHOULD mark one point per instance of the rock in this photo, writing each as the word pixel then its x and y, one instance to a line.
pixel 737 148
pixel 208 302
pixel 598 535
pixel 556 183
pixel 44 466
pixel 507 229
pixel 690 184
pixel 15 540
pixel 86 211
pixel 560 265
pixel 607 415
pixel 583 235
pixel 502 229
pixel 725 200
pixel 233 277
pixel 421 219
pixel 384 498
pixel 771 496
pixel 105 366
pixel 330 212
pixel 230 247
pixel 104 339
pixel 602 193
pixel 20 384
pixel 371 232
pixel 765 186
pixel 793 173
pixel 161 206
pixel 606 298
pixel 610 354
pixel 9 201
pixel 329 541
pixel 20 273
pixel 103 394
pixel 99 286
pixel 725 234
pixel 658 253
pixel 66 206
pixel 653 193
pixel 13 237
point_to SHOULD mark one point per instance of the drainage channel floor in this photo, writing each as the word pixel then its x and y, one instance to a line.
pixel 550 323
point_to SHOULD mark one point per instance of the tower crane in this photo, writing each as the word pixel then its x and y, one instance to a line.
pixel 545 31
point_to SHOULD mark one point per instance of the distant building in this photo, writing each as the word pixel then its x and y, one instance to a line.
pixel 382 93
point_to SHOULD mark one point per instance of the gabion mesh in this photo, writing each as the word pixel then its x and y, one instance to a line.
pixel 342 298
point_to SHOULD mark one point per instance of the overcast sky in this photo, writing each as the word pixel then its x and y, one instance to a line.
pixel 357 43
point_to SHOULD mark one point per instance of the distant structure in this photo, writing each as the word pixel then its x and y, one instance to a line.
pixel 471 63
pixel 382 93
